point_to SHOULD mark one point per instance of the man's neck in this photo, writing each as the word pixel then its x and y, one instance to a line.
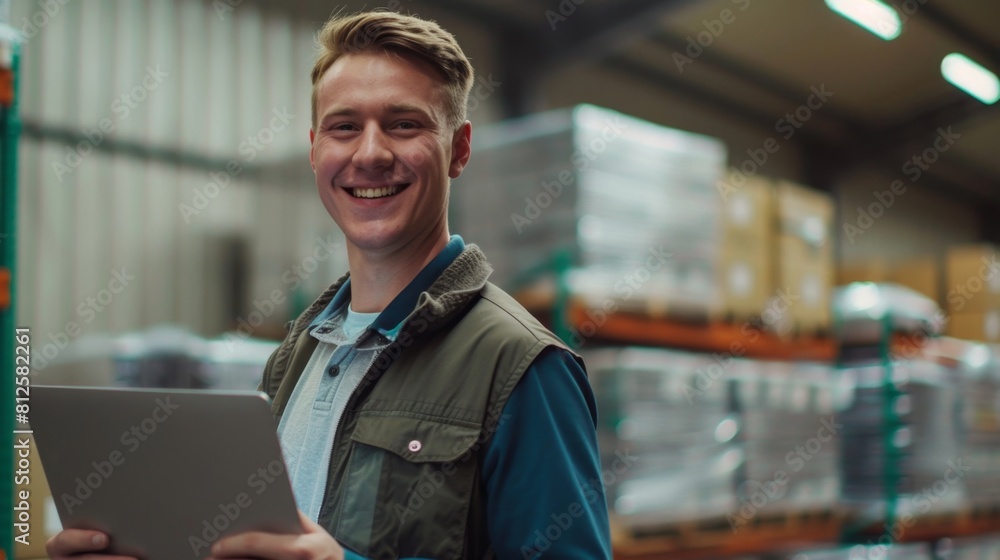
pixel 377 279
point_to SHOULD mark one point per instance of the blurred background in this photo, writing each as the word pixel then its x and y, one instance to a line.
pixel 769 227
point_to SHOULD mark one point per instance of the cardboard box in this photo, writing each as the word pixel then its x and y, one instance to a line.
pixel 983 327
pixel 748 211
pixel 972 275
pixel 872 270
pixel 807 289
pixel 804 213
pixel 803 282
pixel 745 281
pixel 921 274
pixel 42 519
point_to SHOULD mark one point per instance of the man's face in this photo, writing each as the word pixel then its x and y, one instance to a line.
pixel 383 153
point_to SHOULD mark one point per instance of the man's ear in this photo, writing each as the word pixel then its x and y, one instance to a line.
pixel 312 145
pixel 461 149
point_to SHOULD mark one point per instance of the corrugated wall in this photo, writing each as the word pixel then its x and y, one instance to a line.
pixel 136 114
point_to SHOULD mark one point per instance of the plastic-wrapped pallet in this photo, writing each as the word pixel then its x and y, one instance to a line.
pixel 891 551
pixel 164 356
pixel 978 371
pixel 236 364
pixel 922 445
pixel 635 203
pixel 970 548
pixel 172 357
pixel 790 434
pixel 664 411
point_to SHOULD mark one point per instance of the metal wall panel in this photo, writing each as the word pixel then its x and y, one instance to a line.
pixel 181 87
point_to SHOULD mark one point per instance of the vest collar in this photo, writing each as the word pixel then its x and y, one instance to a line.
pixel 452 280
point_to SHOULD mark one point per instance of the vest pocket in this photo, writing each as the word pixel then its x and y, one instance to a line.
pixel 418 440
pixel 409 485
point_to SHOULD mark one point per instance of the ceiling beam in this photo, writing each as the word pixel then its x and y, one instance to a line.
pixel 759 79
pixel 960 32
pixel 591 34
pixel 705 97
pixel 953 111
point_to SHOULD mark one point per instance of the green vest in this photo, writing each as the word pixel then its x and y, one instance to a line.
pixel 404 477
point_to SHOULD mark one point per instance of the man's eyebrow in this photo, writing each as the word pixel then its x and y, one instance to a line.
pixel 393 109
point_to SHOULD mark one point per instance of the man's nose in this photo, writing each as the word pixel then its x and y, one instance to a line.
pixel 373 150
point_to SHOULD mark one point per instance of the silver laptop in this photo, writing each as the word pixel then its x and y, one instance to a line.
pixel 165 472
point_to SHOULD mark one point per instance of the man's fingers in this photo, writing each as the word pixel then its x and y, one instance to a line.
pixel 253 545
pixel 308 525
pixel 75 542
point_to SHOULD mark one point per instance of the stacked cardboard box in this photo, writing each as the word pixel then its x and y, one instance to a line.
pixel 804 256
pixel 746 266
pixel 972 292
pixel 635 205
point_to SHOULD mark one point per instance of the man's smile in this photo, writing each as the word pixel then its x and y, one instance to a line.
pixel 377 192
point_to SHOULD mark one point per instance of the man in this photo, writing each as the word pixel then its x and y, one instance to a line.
pixel 423 413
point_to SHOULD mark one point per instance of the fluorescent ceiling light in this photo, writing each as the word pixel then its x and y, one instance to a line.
pixel 873 15
pixel 971 78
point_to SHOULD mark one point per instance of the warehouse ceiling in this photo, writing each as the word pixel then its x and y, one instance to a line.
pixel 889 99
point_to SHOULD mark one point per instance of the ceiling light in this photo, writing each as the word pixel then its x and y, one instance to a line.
pixel 971 78
pixel 875 16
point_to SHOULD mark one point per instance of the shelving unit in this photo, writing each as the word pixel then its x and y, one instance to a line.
pixel 9 131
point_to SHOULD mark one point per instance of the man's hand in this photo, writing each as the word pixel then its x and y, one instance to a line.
pixel 75 543
pixel 314 544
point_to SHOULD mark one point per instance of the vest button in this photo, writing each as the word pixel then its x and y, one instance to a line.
pixel 415 446
pixel 333 371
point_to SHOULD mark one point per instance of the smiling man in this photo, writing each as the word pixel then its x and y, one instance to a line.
pixel 423 412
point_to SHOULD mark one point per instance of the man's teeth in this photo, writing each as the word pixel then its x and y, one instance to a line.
pixel 376 192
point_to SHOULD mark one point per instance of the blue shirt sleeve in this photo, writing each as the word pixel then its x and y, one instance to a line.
pixel 542 468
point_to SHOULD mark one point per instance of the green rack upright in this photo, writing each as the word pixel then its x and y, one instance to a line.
pixel 10 46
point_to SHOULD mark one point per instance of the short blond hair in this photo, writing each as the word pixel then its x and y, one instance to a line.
pixel 391 32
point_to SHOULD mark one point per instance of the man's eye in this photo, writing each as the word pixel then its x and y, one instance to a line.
pixel 407 125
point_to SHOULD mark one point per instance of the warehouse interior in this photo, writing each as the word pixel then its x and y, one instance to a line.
pixel 824 199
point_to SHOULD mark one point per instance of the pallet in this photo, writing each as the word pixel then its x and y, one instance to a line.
pixel 715 537
pixel 971 520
